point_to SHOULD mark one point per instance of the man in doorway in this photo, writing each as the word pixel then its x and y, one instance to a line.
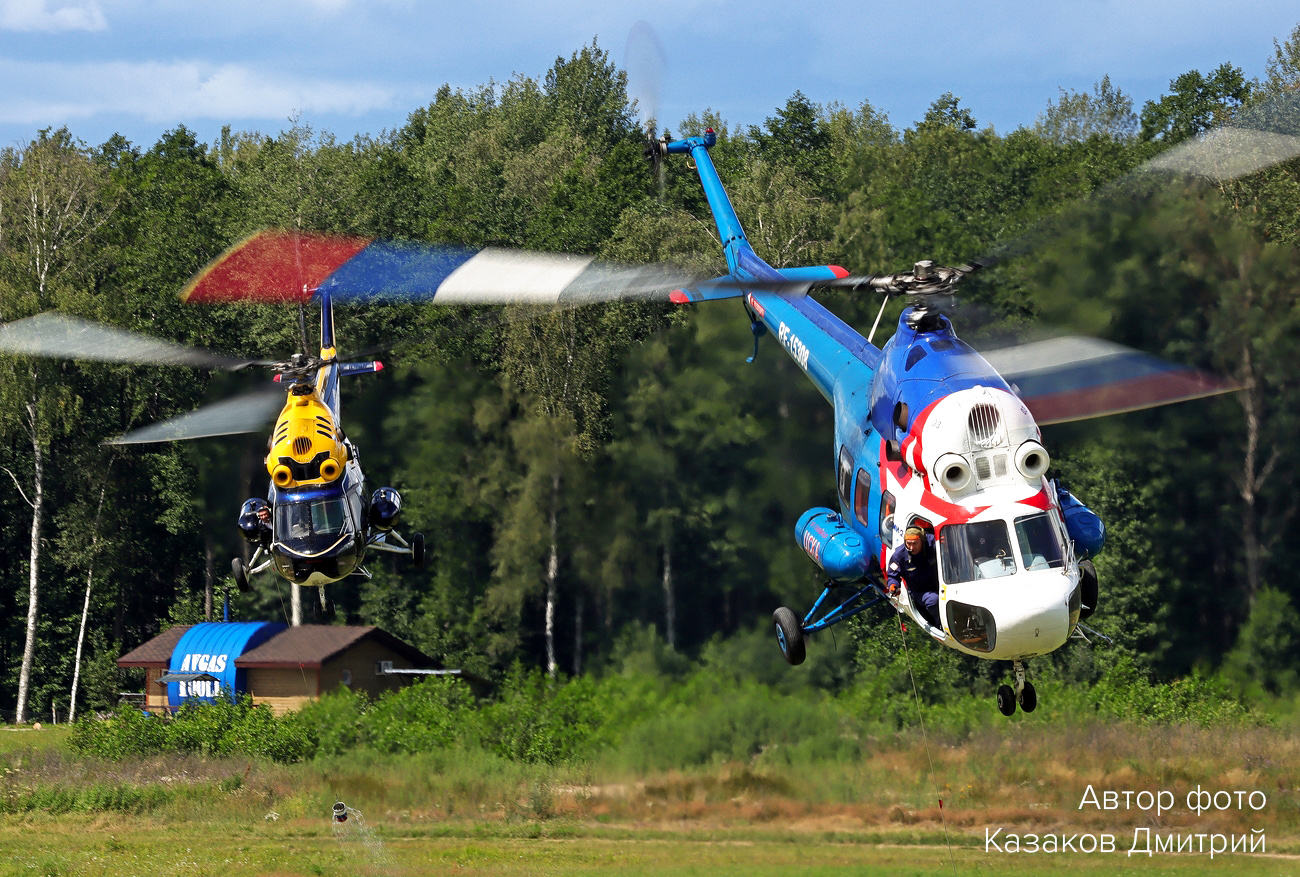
pixel 914 562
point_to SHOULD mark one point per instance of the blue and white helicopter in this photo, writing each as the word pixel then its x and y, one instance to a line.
pixel 930 434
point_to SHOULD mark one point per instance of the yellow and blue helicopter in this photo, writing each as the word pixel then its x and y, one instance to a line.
pixel 317 522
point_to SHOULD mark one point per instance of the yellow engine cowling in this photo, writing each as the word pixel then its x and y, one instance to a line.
pixel 306 447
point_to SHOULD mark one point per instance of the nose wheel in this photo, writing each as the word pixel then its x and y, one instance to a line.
pixel 1023 693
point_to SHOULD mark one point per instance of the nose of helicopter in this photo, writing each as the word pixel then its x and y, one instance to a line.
pixel 1037 621
pixel 315 571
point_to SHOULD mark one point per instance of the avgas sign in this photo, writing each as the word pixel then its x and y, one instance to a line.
pixel 202 663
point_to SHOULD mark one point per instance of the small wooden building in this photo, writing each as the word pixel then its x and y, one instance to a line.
pixel 284 668
pixel 155 657
pixel 302 663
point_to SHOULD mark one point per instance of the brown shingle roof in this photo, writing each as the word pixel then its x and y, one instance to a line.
pixel 313 644
pixel 157 652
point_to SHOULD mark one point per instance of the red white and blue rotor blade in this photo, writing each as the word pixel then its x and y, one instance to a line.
pixel 294 267
pixel 1077 378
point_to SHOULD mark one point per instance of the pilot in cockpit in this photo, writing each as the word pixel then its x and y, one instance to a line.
pixel 915 563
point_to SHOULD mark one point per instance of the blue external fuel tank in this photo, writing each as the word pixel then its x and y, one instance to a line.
pixel 1082 524
pixel 832 544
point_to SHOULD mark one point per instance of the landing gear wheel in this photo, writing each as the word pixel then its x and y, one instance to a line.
pixel 1006 700
pixel 1028 698
pixel 1088 590
pixel 789 634
pixel 240 571
pixel 417 550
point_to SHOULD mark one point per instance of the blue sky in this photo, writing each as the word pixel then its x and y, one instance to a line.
pixel 141 67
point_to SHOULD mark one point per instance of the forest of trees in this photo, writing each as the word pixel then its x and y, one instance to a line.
pixel 623 463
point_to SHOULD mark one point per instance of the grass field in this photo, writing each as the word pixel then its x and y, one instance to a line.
pixel 113 847
pixel 469 814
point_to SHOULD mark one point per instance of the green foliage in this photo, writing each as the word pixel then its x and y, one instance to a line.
pixel 334 721
pixel 1077 116
pixel 1198 103
pixel 98 797
pixel 417 718
pixel 1283 69
pixel 223 727
pixel 947 112
pixel 535 719
pixel 1263 662
pixel 1125 692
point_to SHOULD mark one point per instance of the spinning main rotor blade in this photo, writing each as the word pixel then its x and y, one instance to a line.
pixel 61 336
pixel 1260 137
pixel 247 413
pixel 296 267
pixel 1077 378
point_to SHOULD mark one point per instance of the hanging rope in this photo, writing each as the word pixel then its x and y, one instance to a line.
pixel 925 739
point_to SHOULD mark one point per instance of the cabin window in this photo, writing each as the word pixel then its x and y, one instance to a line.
pixel 918 521
pixel 845 480
pixel 1040 546
pixel 862 498
pixel 975 551
pixel 887 519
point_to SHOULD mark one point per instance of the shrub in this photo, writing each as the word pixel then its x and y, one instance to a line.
pixel 537 719
pixel 419 718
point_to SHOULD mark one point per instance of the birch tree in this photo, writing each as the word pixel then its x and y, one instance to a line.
pixel 50 204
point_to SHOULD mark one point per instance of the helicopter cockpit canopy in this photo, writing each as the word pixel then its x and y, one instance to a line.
pixel 313 523
pixel 983 549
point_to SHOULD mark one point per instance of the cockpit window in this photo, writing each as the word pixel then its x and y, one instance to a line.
pixel 1040 545
pixel 310 525
pixel 974 551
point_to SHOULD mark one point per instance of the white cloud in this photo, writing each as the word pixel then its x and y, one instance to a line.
pixel 36 15
pixel 47 93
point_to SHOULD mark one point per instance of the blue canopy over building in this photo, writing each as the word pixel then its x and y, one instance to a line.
pixel 205 656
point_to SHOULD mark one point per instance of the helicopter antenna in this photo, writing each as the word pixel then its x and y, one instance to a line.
pixel 302 327
pixel 876 324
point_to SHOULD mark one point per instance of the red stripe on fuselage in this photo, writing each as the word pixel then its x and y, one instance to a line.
pixel 913 436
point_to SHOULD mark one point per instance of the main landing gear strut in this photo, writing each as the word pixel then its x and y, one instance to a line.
pixel 1024 693
pixel 790 631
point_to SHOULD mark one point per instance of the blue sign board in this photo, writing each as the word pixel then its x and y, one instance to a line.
pixel 211 649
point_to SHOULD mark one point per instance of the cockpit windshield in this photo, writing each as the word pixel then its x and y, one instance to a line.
pixel 1040 543
pixel 309 526
pixel 980 550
